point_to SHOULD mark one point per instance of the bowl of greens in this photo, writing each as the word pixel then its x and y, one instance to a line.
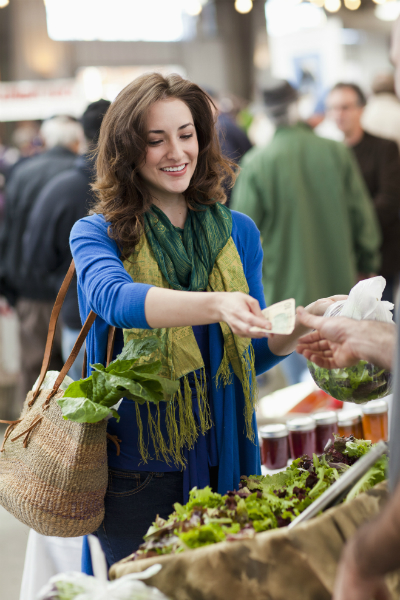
pixel 357 384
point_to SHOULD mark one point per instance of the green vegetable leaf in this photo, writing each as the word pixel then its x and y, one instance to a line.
pixel 135 349
pixel 203 536
pixel 147 368
pixel 115 414
pixel 147 391
pixel 82 410
pixel 168 387
pixel 357 448
pixel 375 475
pixel 80 389
pixel 205 498
pixel 103 392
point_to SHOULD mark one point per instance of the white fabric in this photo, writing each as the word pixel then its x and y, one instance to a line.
pixel 381 117
pixel 45 557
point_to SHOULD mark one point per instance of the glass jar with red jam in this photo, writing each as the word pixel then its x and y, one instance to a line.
pixel 375 421
pixel 349 423
pixel 326 427
pixel 302 436
pixel 274 446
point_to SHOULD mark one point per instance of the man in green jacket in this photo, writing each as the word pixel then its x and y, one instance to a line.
pixel 307 197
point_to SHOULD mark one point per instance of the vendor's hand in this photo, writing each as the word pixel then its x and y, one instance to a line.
pixel 332 345
pixel 352 585
pixel 319 307
pixel 339 342
pixel 241 312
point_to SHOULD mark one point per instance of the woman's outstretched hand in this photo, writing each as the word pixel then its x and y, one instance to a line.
pixel 172 308
pixel 241 312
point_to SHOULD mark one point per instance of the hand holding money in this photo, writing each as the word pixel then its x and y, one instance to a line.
pixel 282 317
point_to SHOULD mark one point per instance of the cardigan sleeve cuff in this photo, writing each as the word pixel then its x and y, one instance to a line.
pixel 132 303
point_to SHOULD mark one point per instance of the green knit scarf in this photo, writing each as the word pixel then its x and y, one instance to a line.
pixel 200 257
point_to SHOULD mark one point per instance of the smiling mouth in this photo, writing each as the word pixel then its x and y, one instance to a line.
pixel 176 169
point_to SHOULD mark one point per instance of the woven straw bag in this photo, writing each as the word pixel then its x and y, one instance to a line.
pixel 53 473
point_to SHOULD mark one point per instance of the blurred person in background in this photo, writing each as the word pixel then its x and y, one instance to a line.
pixel 62 202
pixel 63 137
pixel 308 199
pixel 379 162
pixel 232 139
pixel 381 115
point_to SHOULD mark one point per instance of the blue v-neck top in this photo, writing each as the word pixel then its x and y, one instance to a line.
pixel 106 288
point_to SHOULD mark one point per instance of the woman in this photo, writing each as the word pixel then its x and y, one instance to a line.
pixel 161 237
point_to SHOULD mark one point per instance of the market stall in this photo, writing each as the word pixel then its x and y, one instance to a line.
pixel 299 564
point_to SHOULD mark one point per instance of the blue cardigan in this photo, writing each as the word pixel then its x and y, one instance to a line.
pixel 106 288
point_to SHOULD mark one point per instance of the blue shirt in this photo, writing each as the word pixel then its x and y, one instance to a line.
pixel 106 288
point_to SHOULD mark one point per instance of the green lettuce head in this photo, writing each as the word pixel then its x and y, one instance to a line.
pixel 357 384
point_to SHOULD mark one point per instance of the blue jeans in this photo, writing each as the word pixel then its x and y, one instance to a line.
pixel 133 501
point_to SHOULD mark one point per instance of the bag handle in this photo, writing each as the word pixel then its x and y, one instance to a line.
pixel 72 357
pixel 55 313
pixel 110 350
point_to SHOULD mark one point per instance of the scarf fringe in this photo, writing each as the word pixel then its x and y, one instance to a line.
pixel 249 385
pixel 202 401
pixel 250 390
pixel 183 431
pixel 224 372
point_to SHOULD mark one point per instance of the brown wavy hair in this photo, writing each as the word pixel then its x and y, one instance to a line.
pixel 122 196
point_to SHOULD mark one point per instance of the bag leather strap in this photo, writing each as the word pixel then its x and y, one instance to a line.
pixel 110 350
pixel 110 344
pixel 72 357
pixel 55 313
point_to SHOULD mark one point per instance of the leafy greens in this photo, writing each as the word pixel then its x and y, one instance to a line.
pixel 358 384
pixel 91 400
pixel 261 502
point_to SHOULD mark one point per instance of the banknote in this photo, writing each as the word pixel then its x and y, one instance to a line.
pixel 281 315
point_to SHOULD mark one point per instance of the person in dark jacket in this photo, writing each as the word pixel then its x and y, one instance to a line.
pixel 63 137
pixel 379 162
pixel 62 202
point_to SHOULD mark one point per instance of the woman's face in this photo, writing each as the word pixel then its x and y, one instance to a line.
pixel 172 148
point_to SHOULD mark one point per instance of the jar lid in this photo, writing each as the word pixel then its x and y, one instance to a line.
pixel 275 430
pixel 347 418
pixel 301 424
pixel 326 417
pixel 375 407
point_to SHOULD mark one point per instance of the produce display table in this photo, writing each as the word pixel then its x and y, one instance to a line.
pixel 299 564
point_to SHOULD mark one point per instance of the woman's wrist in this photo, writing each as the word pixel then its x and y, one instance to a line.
pixel 215 304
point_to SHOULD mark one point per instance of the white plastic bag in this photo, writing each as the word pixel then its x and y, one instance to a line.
pixel 364 302
pixel 50 380
pixel 364 381
pixel 77 586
